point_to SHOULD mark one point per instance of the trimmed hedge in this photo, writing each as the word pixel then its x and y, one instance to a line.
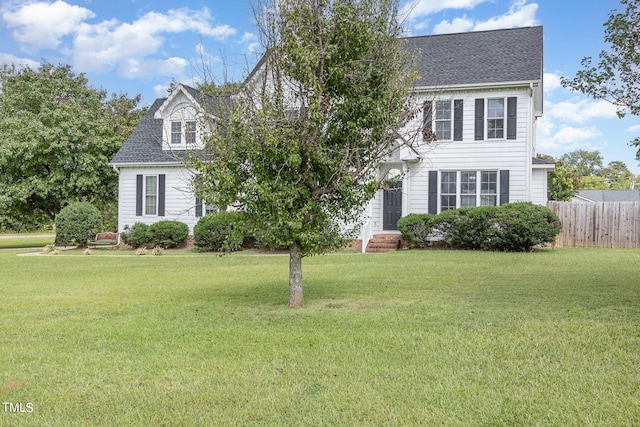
pixel 220 231
pixel 515 227
pixel 77 224
pixel 165 234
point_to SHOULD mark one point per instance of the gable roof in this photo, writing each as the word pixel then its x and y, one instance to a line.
pixel 481 57
pixel 144 145
pixel 609 195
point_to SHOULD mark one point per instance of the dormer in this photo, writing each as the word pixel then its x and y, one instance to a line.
pixel 182 120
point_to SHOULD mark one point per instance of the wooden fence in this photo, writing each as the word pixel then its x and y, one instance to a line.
pixel 602 224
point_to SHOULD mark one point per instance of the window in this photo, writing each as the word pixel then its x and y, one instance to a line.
pixel 151 195
pixel 190 132
pixel 488 188
pixel 460 189
pixel 495 118
pixel 468 189
pixel 176 132
pixel 448 190
pixel 443 120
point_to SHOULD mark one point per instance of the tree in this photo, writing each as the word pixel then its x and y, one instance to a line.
pixel 585 163
pixel 616 78
pixel 617 175
pixel 300 147
pixel 563 182
pixel 57 136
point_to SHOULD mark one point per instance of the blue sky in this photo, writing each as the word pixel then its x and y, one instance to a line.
pixel 138 46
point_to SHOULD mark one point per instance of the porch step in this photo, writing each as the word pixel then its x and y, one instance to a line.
pixel 383 243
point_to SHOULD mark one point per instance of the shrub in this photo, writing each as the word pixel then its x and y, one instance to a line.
pixel 137 236
pixel 467 228
pixel 77 224
pixel 515 227
pixel 220 231
pixel 169 233
pixel 521 226
pixel 415 229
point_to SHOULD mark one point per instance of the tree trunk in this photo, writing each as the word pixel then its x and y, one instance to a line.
pixel 296 298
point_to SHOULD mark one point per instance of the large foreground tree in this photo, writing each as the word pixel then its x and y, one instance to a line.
pixel 616 77
pixel 57 136
pixel 300 147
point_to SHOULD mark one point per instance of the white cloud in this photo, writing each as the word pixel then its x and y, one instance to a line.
pixel 133 49
pixel 634 128
pixel 43 24
pixel 520 14
pixel 551 82
pixel 580 111
pixel 566 138
pixel 8 59
pixel 419 8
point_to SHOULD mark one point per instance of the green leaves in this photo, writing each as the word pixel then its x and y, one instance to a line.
pixel 57 136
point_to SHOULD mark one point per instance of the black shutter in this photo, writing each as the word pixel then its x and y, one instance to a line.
pixel 433 192
pixel 479 127
pixel 504 187
pixel 512 108
pixel 427 120
pixel 457 120
pixel 161 194
pixel 139 180
pixel 198 207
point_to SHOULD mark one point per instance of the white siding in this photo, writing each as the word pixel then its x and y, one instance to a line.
pixel 179 199
pixel 514 155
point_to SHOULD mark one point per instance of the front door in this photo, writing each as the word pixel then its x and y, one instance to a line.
pixel 392 209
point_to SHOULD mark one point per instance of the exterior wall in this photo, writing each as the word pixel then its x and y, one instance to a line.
pixel 179 200
pixel 525 184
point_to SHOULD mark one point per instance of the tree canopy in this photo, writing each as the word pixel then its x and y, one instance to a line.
pixel 616 77
pixel 300 149
pixel 57 135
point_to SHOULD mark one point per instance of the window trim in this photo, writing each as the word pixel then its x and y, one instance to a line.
pixel 478 191
pixel 145 195
pixel 503 118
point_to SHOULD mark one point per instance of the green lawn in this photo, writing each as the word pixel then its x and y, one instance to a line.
pixel 25 241
pixel 434 338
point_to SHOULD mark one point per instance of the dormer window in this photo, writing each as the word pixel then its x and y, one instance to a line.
pixel 176 133
pixel 189 136
pixel 190 132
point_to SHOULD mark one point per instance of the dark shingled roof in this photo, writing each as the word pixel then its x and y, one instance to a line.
pixel 496 56
pixel 144 145
pixel 483 57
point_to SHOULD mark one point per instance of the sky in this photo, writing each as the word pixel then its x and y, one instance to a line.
pixel 140 46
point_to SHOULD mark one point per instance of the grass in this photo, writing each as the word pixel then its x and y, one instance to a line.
pixel 25 241
pixel 445 338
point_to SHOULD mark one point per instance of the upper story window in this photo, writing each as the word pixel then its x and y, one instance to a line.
pixel 442 119
pixel 176 133
pixel 190 132
pixel 183 131
pixel 495 118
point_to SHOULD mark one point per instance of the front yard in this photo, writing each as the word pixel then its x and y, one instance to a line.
pixel 447 338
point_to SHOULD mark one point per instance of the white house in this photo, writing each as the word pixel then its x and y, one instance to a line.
pixel 482 96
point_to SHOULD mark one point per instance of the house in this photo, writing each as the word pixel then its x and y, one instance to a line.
pixel 481 94
pixel 592 196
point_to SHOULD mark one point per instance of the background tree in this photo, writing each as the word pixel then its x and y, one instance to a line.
pixel 563 182
pixel 57 135
pixel 585 163
pixel 300 149
pixel 616 77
